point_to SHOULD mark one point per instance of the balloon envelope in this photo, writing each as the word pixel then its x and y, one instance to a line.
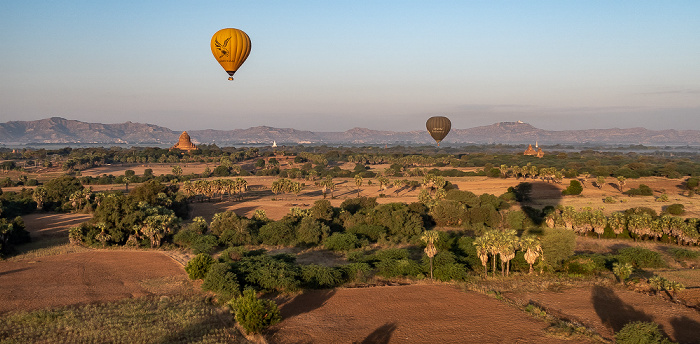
pixel 438 127
pixel 231 48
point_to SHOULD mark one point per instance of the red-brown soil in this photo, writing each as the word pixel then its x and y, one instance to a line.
pixel 405 314
pixel 43 225
pixel 86 277
pixel 607 309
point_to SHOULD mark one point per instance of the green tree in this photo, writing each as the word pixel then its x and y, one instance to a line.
pixel 254 314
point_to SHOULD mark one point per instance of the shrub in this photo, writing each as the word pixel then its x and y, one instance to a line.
pixel 610 200
pixel 641 257
pixel 467 251
pixel 311 231
pixel 683 254
pixel 448 213
pixel 222 281
pixel 198 266
pixel 277 233
pixel 640 332
pixel 445 267
pixel 622 271
pixel 204 244
pixel 557 245
pixel 356 272
pixel 371 232
pixel 341 242
pixel 185 237
pixel 269 273
pixel 642 190
pixel 575 188
pixel 397 268
pixel 353 205
pixel 676 209
pixel 319 276
pixel 253 314
pixel 586 264
pixel 232 229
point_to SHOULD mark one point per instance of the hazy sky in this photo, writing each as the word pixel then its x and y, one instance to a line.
pixel 334 65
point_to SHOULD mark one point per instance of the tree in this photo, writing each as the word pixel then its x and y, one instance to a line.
pixel 177 170
pixel 533 249
pixel 358 183
pixel 621 181
pixel 622 271
pixel 254 314
pixel 600 181
pixel 430 238
pixel 482 250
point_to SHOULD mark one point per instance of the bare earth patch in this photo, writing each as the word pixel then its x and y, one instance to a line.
pixel 87 277
pixel 405 314
pixel 607 310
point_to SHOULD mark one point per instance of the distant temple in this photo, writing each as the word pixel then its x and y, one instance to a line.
pixel 184 143
pixel 538 153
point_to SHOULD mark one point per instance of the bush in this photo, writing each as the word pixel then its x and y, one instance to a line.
pixel 586 264
pixel 683 254
pixel 356 272
pixel 269 273
pixel 642 190
pixel 232 229
pixel 311 231
pixel 641 257
pixel 198 266
pixel 253 314
pixel 277 233
pixel 676 209
pixel 341 242
pixel 222 281
pixel 445 267
pixel 319 276
pixel 640 332
pixel 371 232
pixel 397 268
pixel 575 188
pixel 204 244
pixel 557 245
pixel 353 205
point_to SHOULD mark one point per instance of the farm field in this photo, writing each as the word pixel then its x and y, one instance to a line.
pixel 50 274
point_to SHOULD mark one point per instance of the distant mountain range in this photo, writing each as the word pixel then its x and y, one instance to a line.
pixel 58 130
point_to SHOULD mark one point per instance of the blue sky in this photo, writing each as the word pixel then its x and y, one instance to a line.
pixel 335 65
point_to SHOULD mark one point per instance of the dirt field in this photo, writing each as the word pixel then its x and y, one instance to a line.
pixel 46 225
pixel 86 277
pixel 405 314
pixel 607 310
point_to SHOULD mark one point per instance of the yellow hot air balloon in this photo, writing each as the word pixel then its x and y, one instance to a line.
pixel 438 127
pixel 230 48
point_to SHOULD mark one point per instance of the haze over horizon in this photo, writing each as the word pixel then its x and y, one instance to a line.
pixel 333 66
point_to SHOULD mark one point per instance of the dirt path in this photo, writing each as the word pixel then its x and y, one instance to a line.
pixel 607 310
pixel 405 314
pixel 86 277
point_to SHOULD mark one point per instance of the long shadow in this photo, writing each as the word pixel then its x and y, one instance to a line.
pixel 686 330
pixel 306 302
pixel 12 271
pixel 612 311
pixel 534 196
pixel 381 335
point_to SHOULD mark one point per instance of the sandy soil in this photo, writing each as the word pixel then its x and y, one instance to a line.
pixel 86 277
pixel 607 310
pixel 404 314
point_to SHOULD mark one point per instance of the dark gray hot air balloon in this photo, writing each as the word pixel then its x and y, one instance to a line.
pixel 438 127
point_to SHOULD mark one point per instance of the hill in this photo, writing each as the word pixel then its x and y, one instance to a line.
pixel 57 130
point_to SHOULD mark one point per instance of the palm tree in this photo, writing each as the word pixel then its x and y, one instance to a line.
pixel 482 250
pixel 358 182
pixel 430 238
pixel 618 222
pixel 621 182
pixel 533 249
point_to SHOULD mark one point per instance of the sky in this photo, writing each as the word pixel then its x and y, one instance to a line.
pixel 335 65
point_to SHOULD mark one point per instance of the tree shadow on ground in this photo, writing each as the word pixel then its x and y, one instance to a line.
pixel 612 311
pixel 381 335
pixel 685 330
pixel 305 302
pixel 534 196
